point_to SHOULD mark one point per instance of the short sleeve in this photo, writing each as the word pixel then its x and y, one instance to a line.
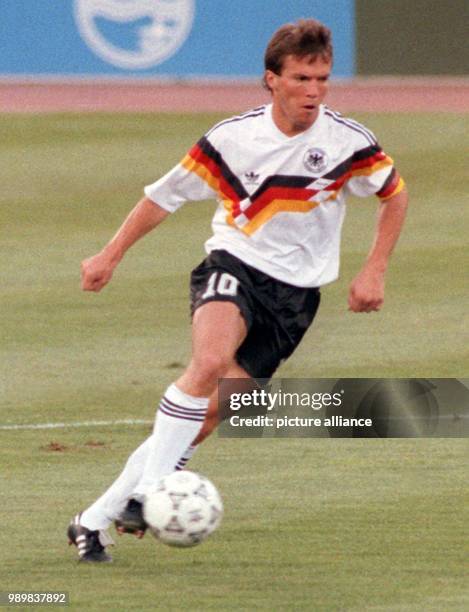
pixel 372 172
pixel 193 179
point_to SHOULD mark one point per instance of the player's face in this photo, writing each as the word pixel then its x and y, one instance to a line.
pixel 298 91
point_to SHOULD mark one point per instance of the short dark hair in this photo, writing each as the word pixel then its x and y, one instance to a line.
pixel 303 38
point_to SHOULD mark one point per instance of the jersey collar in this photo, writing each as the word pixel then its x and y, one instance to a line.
pixel 306 135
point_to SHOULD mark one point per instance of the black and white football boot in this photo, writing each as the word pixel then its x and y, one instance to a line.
pixel 131 519
pixel 91 544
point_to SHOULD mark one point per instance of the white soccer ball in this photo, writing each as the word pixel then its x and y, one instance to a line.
pixel 183 509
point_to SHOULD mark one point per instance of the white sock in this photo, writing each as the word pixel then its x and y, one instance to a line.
pixel 108 507
pixel 177 423
pixel 181 464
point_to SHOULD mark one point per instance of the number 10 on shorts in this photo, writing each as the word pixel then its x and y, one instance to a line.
pixel 221 284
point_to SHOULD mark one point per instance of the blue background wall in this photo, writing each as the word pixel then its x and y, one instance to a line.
pixel 228 38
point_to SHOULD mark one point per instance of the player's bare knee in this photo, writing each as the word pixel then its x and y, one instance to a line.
pixel 211 366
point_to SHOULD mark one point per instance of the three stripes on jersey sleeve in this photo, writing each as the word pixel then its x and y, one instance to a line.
pixel 254 112
pixel 352 124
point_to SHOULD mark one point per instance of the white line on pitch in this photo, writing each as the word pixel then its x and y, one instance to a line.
pixel 79 424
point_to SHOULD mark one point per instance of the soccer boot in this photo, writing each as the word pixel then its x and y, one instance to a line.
pixel 91 544
pixel 131 519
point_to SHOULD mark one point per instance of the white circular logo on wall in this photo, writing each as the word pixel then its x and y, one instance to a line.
pixel 157 29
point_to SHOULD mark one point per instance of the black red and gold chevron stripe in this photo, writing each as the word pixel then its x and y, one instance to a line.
pixel 278 193
pixel 208 164
pixel 392 186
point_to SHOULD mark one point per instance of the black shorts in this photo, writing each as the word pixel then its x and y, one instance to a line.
pixel 277 314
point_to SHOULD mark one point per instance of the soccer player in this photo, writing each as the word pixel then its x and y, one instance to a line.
pixel 280 174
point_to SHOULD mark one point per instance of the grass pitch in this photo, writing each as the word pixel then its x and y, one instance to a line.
pixel 310 524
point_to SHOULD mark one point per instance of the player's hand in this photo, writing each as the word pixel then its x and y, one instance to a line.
pixel 96 272
pixel 366 292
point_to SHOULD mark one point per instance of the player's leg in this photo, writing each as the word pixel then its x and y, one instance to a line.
pixel 88 529
pixel 215 412
pixel 218 408
pixel 111 504
pixel 107 507
pixel 218 329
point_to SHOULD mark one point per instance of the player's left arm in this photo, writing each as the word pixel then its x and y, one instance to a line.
pixel 366 292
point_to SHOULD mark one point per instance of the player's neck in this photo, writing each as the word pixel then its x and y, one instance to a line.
pixel 292 127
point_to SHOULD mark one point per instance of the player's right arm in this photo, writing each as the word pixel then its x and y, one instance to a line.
pixel 97 271
pixel 194 178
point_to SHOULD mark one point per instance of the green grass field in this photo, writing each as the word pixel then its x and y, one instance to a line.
pixel 310 524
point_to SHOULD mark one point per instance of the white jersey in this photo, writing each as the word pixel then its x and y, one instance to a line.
pixel 281 200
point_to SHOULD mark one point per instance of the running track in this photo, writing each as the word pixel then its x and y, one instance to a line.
pixel 442 94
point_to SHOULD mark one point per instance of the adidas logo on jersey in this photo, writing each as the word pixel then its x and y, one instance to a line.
pixel 251 178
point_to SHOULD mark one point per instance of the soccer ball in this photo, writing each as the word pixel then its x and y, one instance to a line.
pixel 183 509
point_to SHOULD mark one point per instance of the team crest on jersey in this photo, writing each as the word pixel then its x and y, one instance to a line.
pixel 315 160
